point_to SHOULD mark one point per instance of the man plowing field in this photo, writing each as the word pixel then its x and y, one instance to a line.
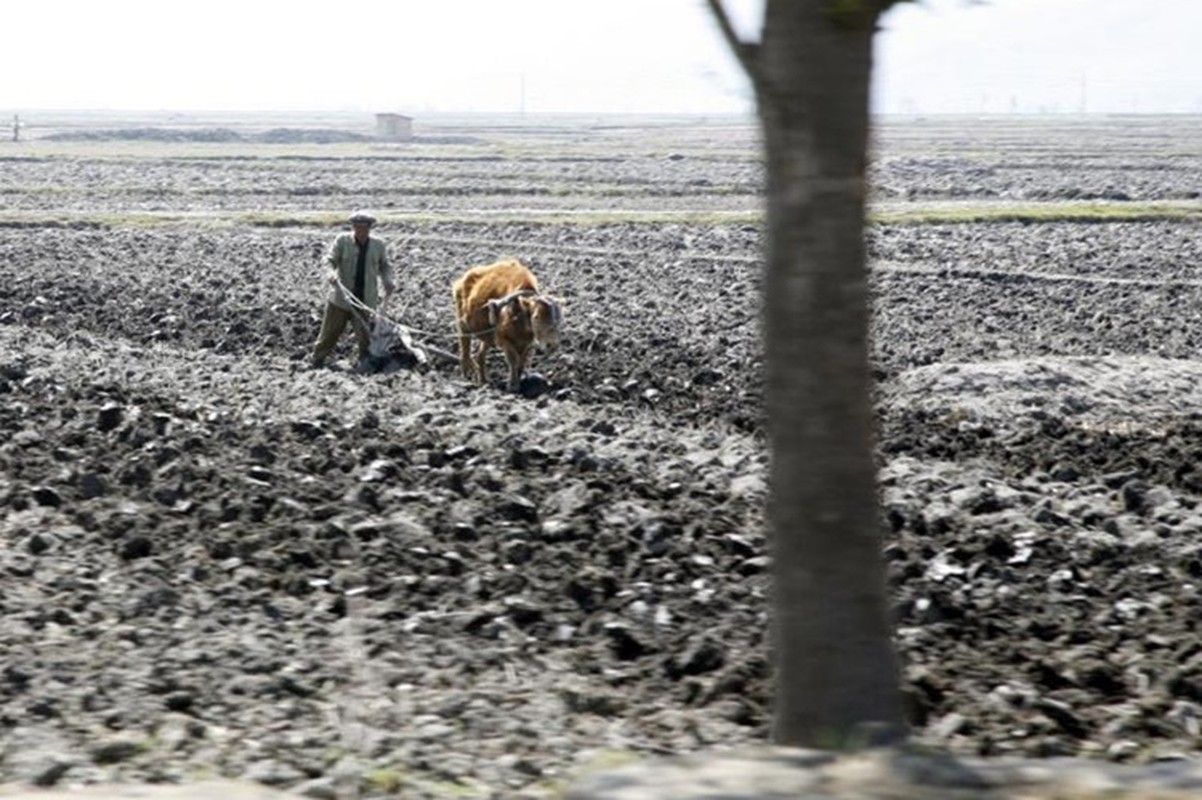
pixel 358 264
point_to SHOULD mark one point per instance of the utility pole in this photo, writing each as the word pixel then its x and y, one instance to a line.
pixel 16 127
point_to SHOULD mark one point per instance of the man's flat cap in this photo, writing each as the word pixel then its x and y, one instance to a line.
pixel 362 216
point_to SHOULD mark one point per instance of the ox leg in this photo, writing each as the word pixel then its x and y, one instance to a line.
pixel 481 362
pixel 465 355
pixel 524 364
pixel 516 359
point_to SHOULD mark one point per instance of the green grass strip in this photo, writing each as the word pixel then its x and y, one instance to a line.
pixel 899 213
pixel 1033 213
pixel 285 219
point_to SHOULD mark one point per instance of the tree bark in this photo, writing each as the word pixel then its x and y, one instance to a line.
pixel 837 681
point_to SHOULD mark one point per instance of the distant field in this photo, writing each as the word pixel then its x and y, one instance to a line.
pixel 585 167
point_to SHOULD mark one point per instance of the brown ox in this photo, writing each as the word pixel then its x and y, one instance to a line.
pixel 500 304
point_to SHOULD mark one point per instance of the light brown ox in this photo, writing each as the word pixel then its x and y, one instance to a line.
pixel 500 304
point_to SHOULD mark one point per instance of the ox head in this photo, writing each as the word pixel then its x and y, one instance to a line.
pixel 545 317
pixel 539 314
pixel 505 311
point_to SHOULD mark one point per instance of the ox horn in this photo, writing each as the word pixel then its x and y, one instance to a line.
pixel 553 308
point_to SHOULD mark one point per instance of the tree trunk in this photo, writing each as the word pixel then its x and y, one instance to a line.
pixel 837 682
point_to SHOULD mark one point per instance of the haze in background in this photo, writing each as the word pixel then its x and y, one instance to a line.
pixel 595 56
pixel 1033 56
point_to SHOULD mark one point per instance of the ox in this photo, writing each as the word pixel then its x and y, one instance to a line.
pixel 499 304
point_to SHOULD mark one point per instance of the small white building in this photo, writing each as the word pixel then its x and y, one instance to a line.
pixel 394 127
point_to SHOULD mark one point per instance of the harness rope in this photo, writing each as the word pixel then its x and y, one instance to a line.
pixel 359 305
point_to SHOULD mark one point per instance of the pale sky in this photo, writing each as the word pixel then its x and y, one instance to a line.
pixel 653 56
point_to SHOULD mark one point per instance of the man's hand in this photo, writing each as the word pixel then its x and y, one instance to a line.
pixel 332 278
